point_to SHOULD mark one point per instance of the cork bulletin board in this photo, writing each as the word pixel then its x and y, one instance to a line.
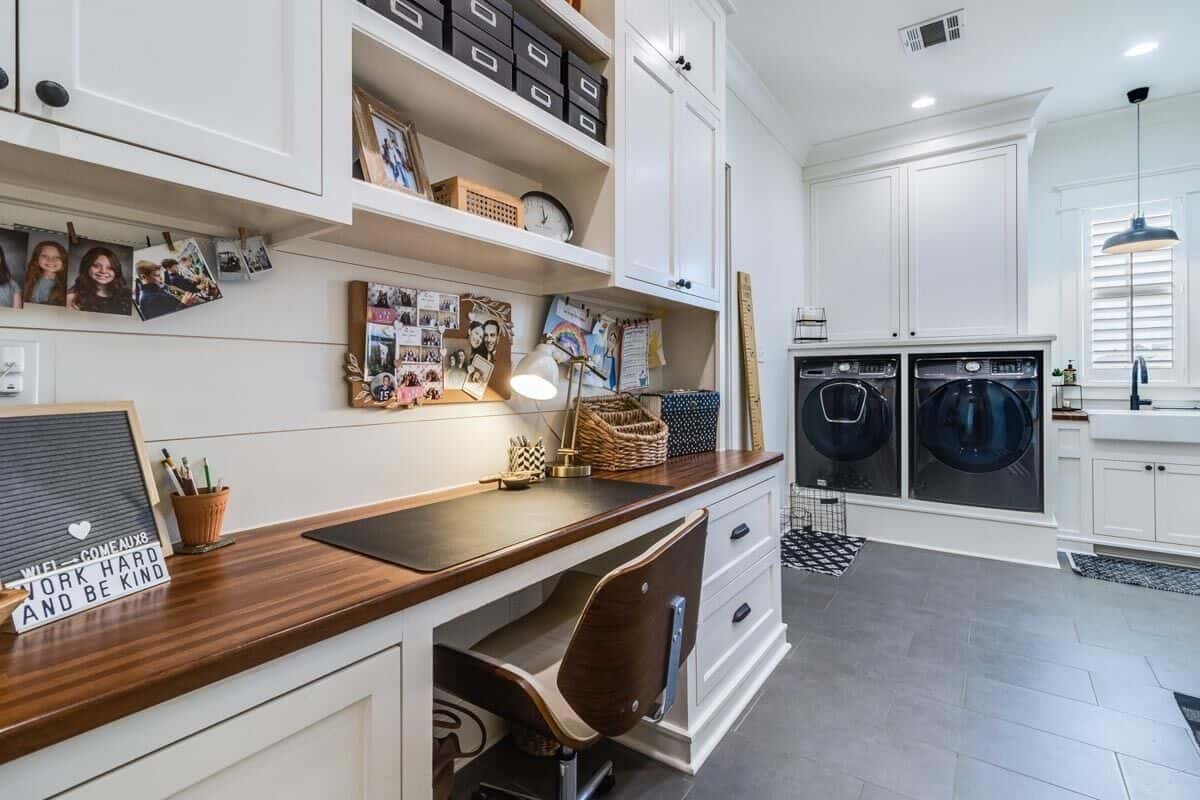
pixel 411 346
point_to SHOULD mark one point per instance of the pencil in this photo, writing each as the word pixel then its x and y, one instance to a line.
pixel 207 477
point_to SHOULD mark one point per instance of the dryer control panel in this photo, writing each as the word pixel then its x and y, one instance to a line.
pixel 822 369
pixel 995 368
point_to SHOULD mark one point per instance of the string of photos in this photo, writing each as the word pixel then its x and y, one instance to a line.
pixel 44 267
pixel 623 350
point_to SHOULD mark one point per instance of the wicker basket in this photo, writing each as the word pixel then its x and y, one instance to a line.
pixel 482 201
pixel 617 433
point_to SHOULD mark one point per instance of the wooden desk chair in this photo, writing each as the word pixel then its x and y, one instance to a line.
pixel 599 655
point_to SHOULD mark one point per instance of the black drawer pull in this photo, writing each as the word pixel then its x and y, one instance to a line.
pixel 741 614
pixel 740 532
pixel 52 94
pixel 3 79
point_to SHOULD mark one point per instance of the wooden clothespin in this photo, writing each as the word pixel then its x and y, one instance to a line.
pixel 148 243
pixel 242 237
pixel 71 236
pixel 170 242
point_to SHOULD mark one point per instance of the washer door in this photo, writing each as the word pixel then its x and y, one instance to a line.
pixel 846 420
pixel 975 425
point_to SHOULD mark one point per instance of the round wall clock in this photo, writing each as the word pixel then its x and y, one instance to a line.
pixel 546 216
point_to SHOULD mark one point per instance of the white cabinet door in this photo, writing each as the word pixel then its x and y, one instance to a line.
pixel 1177 495
pixel 232 84
pixel 650 97
pixel 962 260
pixel 855 249
pixel 698 32
pixel 8 54
pixel 1123 499
pixel 338 737
pixel 654 20
pixel 699 220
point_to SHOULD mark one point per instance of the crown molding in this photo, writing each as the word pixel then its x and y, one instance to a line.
pixel 992 123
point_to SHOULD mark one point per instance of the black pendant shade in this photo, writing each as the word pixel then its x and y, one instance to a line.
pixel 1139 237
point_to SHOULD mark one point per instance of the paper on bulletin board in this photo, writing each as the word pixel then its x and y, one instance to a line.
pixel 657 350
pixel 602 350
pixel 568 325
pixel 635 352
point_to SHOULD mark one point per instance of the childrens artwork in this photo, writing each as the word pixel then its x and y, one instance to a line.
pixel 171 279
pixel 568 324
pixel 602 345
pixel 426 341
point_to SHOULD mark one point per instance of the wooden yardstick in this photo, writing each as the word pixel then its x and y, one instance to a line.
pixel 750 362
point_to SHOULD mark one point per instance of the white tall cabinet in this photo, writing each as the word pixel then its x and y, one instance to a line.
pixel 672 152
pixel 232 84
pixel 924 250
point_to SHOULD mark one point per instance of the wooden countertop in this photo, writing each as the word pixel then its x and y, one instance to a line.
pixel 1069 416
pixel 271 594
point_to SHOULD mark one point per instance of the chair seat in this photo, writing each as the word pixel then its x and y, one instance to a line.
pixel 533 647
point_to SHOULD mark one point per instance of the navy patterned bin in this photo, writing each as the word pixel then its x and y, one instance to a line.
pixel 691 416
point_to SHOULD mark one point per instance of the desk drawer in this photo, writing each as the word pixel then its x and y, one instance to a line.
pixel 736 622
pixel 740 531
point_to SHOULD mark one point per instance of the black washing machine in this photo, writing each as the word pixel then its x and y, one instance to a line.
pixel 848 424
pixel 977 430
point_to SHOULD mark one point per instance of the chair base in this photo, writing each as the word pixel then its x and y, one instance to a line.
pixel 598 785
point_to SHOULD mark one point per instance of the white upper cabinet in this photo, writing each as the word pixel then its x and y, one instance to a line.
pixel 228 83
pixel 650 98
pixel 699 28
pixel 856 256
pixel 654 19
pixel 698 220
pixel 1177 511
pixel 962 260
pixel 8 54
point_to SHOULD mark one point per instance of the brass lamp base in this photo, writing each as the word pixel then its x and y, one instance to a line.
pixel 570 470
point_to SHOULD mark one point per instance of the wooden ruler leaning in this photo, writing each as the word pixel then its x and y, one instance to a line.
pixel 750 362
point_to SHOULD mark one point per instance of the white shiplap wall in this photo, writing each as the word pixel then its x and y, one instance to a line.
pixel 254 382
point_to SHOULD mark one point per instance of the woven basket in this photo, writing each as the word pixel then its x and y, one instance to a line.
pixel 617 433
pixel 532 743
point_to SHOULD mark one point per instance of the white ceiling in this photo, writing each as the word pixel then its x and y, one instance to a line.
pixel 838 68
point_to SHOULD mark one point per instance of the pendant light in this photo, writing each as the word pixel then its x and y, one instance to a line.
pixel 1139 237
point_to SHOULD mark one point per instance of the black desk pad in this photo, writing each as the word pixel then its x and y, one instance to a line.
pixel 440 535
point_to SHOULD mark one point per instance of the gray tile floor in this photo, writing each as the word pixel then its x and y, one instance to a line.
pixel 928 676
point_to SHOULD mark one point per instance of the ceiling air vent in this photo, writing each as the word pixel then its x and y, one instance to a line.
pixel 939 30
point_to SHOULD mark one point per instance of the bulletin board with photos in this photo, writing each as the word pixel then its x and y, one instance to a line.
pixel 411 346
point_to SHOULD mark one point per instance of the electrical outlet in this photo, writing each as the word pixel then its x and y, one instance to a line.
pixel 12 385
pixel 24 378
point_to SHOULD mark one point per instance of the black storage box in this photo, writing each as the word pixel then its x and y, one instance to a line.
pixel 493 17
pixel 537 54
pixel 584 122
pixel 692 417
pixel 542 96
pixel 422 17
pixel 475 48
pixel 586 87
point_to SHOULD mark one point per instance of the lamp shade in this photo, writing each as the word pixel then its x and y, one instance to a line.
pixel 536 376
pixel 1139 238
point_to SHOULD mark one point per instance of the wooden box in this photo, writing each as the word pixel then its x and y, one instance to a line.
pixel 483 201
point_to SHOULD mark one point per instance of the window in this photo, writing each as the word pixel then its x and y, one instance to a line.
pixel 1156 301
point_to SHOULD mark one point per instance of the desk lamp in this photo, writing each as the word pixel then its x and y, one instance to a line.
pixel 536 377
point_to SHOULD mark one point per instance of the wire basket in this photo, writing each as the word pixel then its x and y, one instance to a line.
pixel 813 509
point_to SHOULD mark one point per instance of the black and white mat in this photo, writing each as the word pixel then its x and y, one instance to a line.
pixel 1190 706
pixel 823 553
pixel 1165 577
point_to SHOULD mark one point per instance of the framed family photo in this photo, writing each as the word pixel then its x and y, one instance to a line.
pixel 389 150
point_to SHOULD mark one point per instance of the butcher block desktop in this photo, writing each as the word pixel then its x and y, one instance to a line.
pixel 277 593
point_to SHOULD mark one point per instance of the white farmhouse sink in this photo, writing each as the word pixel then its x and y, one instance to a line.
pixel 1158 425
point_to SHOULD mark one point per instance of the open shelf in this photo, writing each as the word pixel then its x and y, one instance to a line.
pixel 404 225
pixel 573 30
pixel 451 102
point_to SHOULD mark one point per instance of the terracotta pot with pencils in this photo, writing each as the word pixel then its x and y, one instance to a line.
pixel 199 506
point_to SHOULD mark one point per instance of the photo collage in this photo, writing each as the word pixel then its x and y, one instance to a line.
pixel 405 342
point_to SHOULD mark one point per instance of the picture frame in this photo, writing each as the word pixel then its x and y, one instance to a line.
pixel 396 162
pixel 76 523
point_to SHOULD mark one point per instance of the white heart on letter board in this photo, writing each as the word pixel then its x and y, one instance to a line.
pixel 80 530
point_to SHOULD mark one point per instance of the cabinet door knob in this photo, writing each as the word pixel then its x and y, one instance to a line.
pixel 687 67
pixel 742 612
pixel 52 93
pixel 1161 468
pixel 687 284
pixel 895 334
pixel 740 532
pixel 681 61
pixel 912 333
pixel 3 78
pixel 1148 467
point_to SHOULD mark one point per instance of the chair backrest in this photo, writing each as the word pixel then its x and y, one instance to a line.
pixel 615 666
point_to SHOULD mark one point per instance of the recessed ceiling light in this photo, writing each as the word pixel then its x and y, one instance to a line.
pixel 1141 49
pixel 924 102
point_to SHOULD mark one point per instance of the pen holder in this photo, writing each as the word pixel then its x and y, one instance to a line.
pixel 528 459
pixel 200 517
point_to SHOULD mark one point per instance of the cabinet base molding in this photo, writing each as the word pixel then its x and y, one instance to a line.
pixel 687 746
pixel 1150 551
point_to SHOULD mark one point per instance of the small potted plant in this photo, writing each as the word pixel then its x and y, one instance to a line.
pixel 1057 374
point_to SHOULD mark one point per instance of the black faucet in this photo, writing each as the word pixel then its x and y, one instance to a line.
pixel 1135 402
